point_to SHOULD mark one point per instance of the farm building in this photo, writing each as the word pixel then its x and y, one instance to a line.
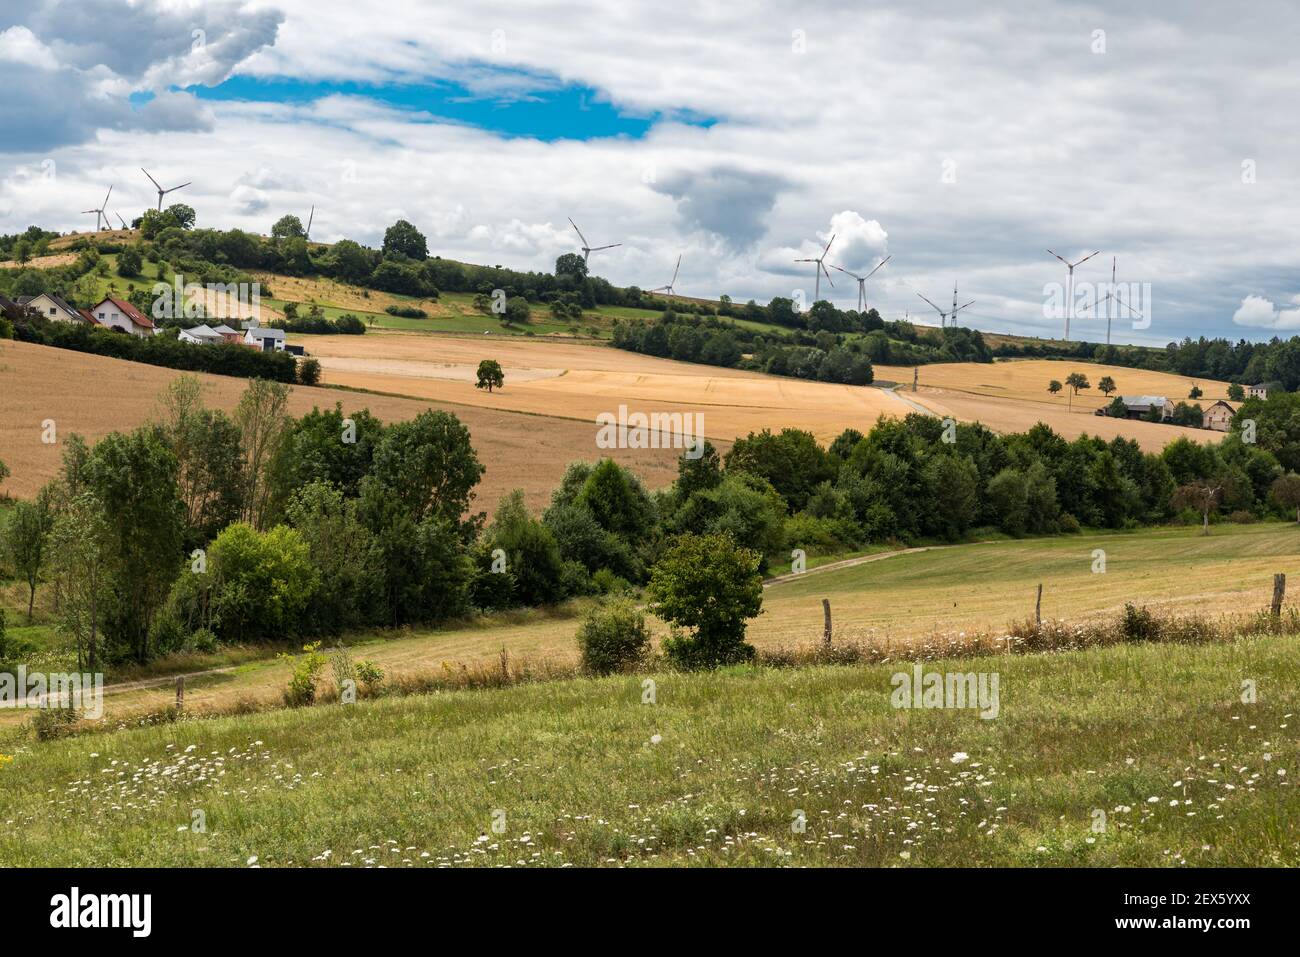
pixel 1259 391
pixel 1140 406
pixel 265 338
pixel 1218 417
pixel 119 315
pixel 199 335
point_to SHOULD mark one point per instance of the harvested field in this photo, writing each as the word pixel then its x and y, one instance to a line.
pixel 94 395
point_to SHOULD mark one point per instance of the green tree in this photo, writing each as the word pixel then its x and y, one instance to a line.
pixel 261 582
pixel 532 556
pixel 791 460
pixel 134 478
pixel 1054 387
pixel 1236 392
pixel 1106 385
pixel 81 563
pixel 1076 381
pixel 490 375
pixel 26 534
pixel 262 417
pixel 288 227
pixel 707 584
pixel 343 551
pixel 571 266
pixel 403 239
pixel 1285 493
pixel 129 262
pixel 1196 392
pixel 430 467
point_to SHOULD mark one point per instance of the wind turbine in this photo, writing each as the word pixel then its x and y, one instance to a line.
pixel 586 249
pixel 121 220
pixel 862 281
pixel 945 316
pixel 669 288
pixel 99 213
pixel 311 217
pixel 1114 294
pixel 1069 288
pixel 162 192
pixel 819 269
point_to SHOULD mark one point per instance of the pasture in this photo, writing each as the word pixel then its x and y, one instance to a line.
pixel 888 600
pixel 1132 755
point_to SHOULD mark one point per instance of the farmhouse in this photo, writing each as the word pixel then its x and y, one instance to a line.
pixel 53 308
pixel 1259 391
pixel 121 316
pixel 1218 417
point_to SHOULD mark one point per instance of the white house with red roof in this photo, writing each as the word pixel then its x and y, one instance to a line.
pixel 119 315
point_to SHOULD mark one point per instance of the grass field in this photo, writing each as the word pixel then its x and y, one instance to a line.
pixel 892 601
pixel 94 395
pixel 750 766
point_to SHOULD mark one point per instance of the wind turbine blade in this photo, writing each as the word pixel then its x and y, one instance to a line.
pixel 1087 257
pixel 1058 257
pixel 845 271
pixel 959 308
pixel 610 246
pixel 579 232
pixel 933 306
pixel 151 179
pixel 106 195
pixel 807 260
pixel 828 245
pixel 882 262
pixel 175 188
pixel 827 271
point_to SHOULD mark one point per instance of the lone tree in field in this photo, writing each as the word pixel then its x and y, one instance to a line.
pixel 1236 392
pixel 490 375
pixel 1076 381
pixel 1106 385
pixel 1053 387
pixel 1196 392
pixel 1285 492
pixel 1201 496
pixel 709 584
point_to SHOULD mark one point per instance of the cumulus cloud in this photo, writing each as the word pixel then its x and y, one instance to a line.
pixel 728 202
pixel 1260 313
pixel 69 69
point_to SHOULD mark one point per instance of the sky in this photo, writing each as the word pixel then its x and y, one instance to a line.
pixel 962 140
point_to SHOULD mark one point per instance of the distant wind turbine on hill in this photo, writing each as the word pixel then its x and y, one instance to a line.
pixel 945 316
pixel 588 249
pixel 669 288
pixel 819 269
pixel 163 192
pixel 100 215
pixel 1114 294
pixel 862 281
pixel 1069 287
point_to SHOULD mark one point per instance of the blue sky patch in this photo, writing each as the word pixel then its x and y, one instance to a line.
pixel 536 107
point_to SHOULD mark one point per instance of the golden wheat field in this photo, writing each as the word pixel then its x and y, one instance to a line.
pixel 578 380
pixel 94 395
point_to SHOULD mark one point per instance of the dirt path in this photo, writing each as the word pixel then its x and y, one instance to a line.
pixel 847 563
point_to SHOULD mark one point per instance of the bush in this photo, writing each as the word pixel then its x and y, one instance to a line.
pixel 370 675
pixel 406 312
pixel 309 371
pixel 1138 624
pixel 306 670
pixel 52 723
pixel 613 637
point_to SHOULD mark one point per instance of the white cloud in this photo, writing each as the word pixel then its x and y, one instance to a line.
pixel 1260 313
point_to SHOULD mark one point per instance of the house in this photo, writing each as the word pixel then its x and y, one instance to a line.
pixel 52 307
pixel 1257 391
pixel 229 335
pixel 1218 417
pixel 121 316
pixel 1140 406
pixel 200 335
pixel 264 338
pixel 11 310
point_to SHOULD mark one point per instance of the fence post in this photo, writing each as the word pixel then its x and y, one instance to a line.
pixel 1279 592
pixel 1038 606
pixel 826 611
pixel 180 692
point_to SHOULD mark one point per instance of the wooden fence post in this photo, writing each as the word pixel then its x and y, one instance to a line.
pixel 826 611
pixel 1279 592
pixel 1038 606
pixel 180 692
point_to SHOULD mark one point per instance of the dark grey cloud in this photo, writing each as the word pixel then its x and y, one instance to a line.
pixel 728 202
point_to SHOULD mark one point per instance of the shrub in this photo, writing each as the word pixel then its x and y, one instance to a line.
pixel 52 723
pixel 306 670
pixel 406 312
pixel 309 372
pixel 1138 624
pixel 370 675
pixel 613 637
